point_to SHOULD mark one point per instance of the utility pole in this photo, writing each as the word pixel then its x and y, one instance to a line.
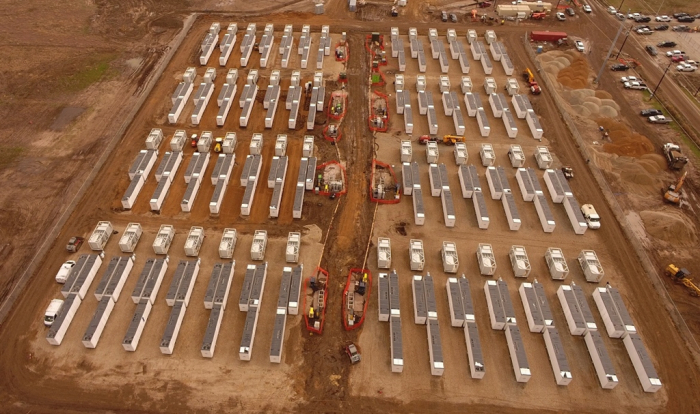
pixel 612 45
pixel 662 78
pixel 623 43
pixel 620 8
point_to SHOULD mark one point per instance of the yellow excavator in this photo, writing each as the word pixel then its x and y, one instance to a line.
pixel 452 139
pixel 680 276
pixel 218 146
pixel 673 192
pixel 530 79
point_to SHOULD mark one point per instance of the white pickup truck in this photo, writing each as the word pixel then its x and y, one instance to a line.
pixel 64 271
pixel 591 216
pixel 659 119
pixel 52 311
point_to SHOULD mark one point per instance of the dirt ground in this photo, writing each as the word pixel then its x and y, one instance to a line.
pixel 314 374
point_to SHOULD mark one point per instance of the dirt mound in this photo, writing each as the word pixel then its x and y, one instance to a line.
pixel 659 160
pixel 671 226
pixel 603 94
pixel 623 141
pixel 575 76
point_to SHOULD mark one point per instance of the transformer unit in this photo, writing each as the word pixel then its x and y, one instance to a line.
pixel 228 243
pixel 293 246
pixel 194 241
pixel 100 236
pixel 257 249
pixel 131 236
pixel 164 238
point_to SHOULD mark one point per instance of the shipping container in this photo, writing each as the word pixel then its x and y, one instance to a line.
pixel 493 181
pixel 138 323
pixel 508 309
pixel 384 305
pixel 475 355
pixel 601 360
pixel 418 207
pixel 546 36
pixel 482 214
pixel 569 304
pixel 437 364
pixel 448 208
pixel 245 350
pixel 518 357
pixel 509 123
pixel 172 329
pixel 486 64
pixel 465 181
pixel 557 357
pixel 544 213
pixel 573 211
pixel 454 300
pixel 190 194
pixel 522 105
pixel 416 254
pixel 211 333
pixel 495 305
pixel 643 365
pixel 298 201
pixel 621 309
pixel 92 334
pixel 435 182
pixel 535 321
pixel 534 123
pixel 553 185
pixel 483 121
pixel 608 312
pixel 583 307
pixel 63 319
pixel 525 185
pixel 472 101
pixel 511 210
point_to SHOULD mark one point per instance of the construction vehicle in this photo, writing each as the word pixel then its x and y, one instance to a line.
pixel 680 276
pixel 424 139
pixel 452 139
pixel 218 146
pixel 74 244
pixel 673 192
pixel 530 79
pixel 354 356
pixel 568 172
pixel 673 155
pixel 394 11
pixel 195 140
pixel 538 16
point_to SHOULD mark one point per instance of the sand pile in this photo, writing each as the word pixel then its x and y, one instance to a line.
pixel 575 76
pixel 624 142
pixel 671 226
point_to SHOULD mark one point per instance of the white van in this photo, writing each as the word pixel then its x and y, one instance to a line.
pixel 52 311
pixel 64 271
pixel 591 216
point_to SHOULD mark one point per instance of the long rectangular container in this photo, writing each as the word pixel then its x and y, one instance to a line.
pixel 526 188
pixel 508 309
pixel 211 334
pixel 534 123
pixel 96 326
pixel 483 122
pixel 86 276
pixel 298 201
pixel 466 296
pixel 63 319
pixel 435 183
pixel 521 104
pixel 472 101
pixel 394 302
pixel 496 106
pixel 116 283
pixel 509 123
pixel 448 208
pixel 138 323
pixel 465 181
pixel 583 307
pixel 248 279
pixel 611 318
pixel 420 310
pixel 186 287
pixel 190 194
pixel 643 366
pixel 384 305
pixel 544 213
pixel 555 190
pixel 458 120
pixel 574 318
pixel 159 194
pixel 474 353
pixel 418 207
pixel 212 285
pixel 494 183
pixel 295 290
pixel 454 300
pixel 172 328
pixel 557 356
pixel 535 321
pixel 154 280
pixel 437 363
pixel 277 343
pixel 430 301
pixel 408 119
pixel 482 214
pixel 601 360
pixel 511 210
pixel 622 309
pixel 495 305
pixel 245 351
pixel 396 344
pixel 543 303
pixel 518 357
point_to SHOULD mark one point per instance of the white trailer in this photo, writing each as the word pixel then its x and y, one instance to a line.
pixel 486 259
pixel 164 238
pixel 642 363
pixel 590 265
pixel 450 258
pixel 622 310
pixel 383 297
pixel 516 156
pixel 448 207
pixel 293 246
pixel 172 329
pixel 138 323
pixel 543 157
pixel 482 214
pixel 416 254
pixel 483 122
pixel 509 123
pixel 494 303
pixel 100 236
pixel 408 119
pixel 519 261
pixel 454 301
pixel 420 310
pixel 521 104
pixel 608 312
pixel 383 253
pixel 534 123
pixel 431 152
pixel 556 262
pixel 475 355
pixel 63 320
pixel 494 182
pixel 418 207
pixel 460 153
pixel 572 311
pixel 511 210
pixel 465 181
pixel 472 102
pixel 194 241
pixel 601 360
pixel 92 334
pixel 544 213
pixel 533 313
pixel 525 184
pixel 488 156
pixel 496 105
pixel 556 191
pixel 557 357
pixel 518 357
pixel 573 211
pixel 257 249
pixel 435 181
pixel 228 243
pixel 437 364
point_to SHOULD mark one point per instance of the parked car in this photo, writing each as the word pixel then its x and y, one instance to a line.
pixel 666 43
pixel 650 112
pixel 626 79
pixel 641 26
pixel 679 58
pixel 681 28
pixel 672 53
pixel 686 19
pixel 453 18
pixel 64 271
pixel 651 50
pixel 684 67
pixel 661 27
pixel 443 16
pixel 642 19
pixel 561 16
pixel 570 11
pixel 579 46
pixel 587 8
pixel 659 119
pixel 612 10
pixel 635 85
pixel 680 14
pixel 663 19
pixel 633 16
pixel 620 16
pixel 618 67
pixel 645 31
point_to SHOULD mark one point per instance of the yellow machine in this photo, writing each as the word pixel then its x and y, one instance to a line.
pixel 452 139
pixel 673 192
pixel 681 276
pixel 311 312
pixel 219 142
pixel 530 79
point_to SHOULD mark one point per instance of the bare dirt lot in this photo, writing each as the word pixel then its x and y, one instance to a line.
pixel 314 374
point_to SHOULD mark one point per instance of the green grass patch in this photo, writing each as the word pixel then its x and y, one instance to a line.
pixel 93 71
pixel 8 155
pixel 668 7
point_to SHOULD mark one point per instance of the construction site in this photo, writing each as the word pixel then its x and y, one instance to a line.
pixel 413 215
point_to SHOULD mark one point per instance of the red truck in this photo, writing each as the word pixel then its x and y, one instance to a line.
pixel 540 36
